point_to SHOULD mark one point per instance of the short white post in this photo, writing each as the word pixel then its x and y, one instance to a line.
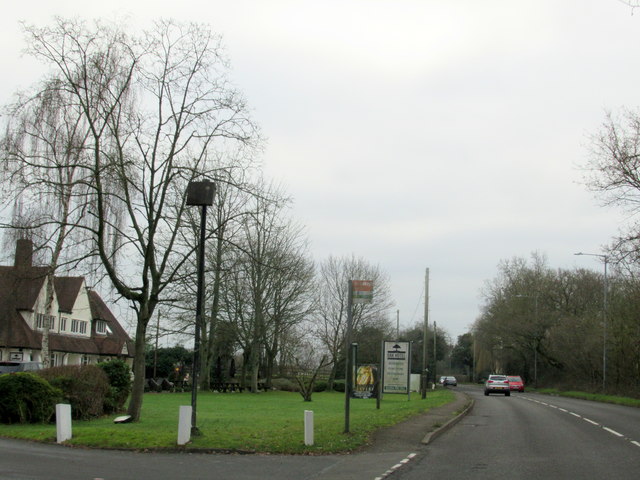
pixel 308 427
pixel 184 425
pixel 63 422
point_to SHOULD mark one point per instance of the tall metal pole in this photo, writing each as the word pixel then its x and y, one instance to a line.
pixel 199 193
pixel 347 364
pixel 199 305
pixel 425 374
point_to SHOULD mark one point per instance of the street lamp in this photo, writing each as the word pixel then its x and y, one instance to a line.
pixel 199 194
pixel 605 259
pixel 535 347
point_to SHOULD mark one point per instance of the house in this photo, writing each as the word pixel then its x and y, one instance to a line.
pixel 82 329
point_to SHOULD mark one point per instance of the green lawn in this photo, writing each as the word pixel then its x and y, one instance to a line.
pixel 265 422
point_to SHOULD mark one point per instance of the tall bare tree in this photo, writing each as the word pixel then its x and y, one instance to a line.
pixel 614 174
pixel 158 112
pixel 330 316
pixel 272 279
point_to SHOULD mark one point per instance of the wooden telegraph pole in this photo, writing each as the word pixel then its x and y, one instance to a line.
pixel 425 372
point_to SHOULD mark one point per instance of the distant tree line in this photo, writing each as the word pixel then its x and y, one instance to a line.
pixel 549 325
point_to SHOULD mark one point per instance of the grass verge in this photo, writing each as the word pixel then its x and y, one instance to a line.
pixel 595 397
pixel 271 422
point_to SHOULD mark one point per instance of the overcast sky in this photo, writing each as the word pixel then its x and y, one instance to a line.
pixel 446 134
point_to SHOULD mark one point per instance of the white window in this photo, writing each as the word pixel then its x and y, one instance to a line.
pixel 53 360
pixel 101 327
pixel 63 324
pixel 42 319
pixel 78 326
pixel 85 360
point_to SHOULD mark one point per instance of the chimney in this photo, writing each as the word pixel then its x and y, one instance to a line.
pixel 24 253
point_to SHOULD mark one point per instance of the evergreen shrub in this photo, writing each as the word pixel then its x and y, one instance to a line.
pixel 85 387
pixel 119 375
pixel 320 386
pixel 27 398
pixel 338 386
pixel 284 384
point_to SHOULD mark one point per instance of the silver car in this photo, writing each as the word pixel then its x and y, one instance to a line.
pixel 13 367
pixel 497 384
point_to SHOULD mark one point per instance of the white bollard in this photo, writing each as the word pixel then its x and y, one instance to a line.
pixel 184 425
pixel 308 427
pixel 63 422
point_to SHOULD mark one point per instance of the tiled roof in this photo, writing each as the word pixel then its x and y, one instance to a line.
pixel 19 290
pixel 67 289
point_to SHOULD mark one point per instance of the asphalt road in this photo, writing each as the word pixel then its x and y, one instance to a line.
pixel 529 436
pixel 524 436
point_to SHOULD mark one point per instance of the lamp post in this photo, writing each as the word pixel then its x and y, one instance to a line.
pixel 199 194
pixel 535 347
pixel 605 259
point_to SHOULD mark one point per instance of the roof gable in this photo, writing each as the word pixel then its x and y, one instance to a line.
pixel 67 291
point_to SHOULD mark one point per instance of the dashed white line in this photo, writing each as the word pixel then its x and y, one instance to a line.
pixel 402 462
pixel 617 434
pixel 613 432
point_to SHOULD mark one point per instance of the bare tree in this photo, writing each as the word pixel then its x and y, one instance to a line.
pixel 614 173
pixel 271 283
pixel 158 111
pixel 330 316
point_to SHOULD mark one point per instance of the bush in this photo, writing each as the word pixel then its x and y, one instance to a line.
pixel 85 387
pixel 320 386
pixel 284 384
pixel 27 398
pixel 338 386
pixel 119 375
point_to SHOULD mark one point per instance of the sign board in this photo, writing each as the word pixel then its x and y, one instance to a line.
pixel 396 367
pixel 16 356
pixel 365 382
pixel 362 291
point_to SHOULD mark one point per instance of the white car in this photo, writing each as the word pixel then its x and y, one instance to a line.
pixel 497 384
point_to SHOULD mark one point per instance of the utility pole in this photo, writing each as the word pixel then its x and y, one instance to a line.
pixel 435 359
pixel 425 373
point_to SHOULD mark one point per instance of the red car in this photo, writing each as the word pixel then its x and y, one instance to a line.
pixel 515 383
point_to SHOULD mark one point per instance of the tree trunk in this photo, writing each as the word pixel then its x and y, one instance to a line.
pixel 254 365
pixel 137 389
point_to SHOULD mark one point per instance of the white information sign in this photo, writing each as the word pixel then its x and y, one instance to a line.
pixel 396 367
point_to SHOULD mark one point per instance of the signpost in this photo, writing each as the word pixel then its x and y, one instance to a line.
pixel 360 291
pixel 396 367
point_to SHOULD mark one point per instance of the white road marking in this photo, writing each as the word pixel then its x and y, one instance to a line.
pixel 404 461
pixel 613 431
pixel 617 434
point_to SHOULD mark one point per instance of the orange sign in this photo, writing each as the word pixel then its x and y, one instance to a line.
pixel 362 291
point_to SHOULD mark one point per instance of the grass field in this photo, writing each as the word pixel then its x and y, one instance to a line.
pixel 270 422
